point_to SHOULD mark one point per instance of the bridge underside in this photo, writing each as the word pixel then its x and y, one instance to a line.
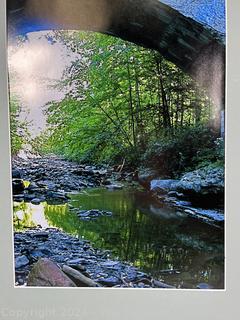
pixel 194 48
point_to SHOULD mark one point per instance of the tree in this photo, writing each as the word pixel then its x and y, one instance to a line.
pixel 121 98
pixel 18 129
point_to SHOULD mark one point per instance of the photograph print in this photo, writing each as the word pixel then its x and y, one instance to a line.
pixel 117 124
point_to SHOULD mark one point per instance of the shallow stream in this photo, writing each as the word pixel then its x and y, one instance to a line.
pixel 158 239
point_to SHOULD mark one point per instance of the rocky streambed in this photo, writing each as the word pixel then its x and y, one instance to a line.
pixel 52 258
pixel 50 179
pixel 45 254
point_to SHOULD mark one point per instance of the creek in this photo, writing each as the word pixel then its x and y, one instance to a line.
pixel 157 239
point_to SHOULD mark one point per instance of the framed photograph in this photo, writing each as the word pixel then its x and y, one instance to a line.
pixel 119 167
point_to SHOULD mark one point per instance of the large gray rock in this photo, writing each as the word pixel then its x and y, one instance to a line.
pixel 202 187
pixel 163 186
pixel 203 184
pixel 206 180
pixel 45 273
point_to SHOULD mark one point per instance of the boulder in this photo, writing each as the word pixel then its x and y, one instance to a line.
pixel 163 186
pixel 204 186
pixel 203 180
pixel 45 273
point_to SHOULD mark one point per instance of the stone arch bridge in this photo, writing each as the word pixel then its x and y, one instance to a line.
pixel 190 33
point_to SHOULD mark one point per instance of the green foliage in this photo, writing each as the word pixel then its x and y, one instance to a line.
pixel 40 144
pixel 220 148
pixel 187 149
pixel 18 129
pixel 123 100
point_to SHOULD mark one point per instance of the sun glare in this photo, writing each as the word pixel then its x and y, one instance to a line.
pixel 33 67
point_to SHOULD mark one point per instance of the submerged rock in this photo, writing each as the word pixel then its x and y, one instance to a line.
pixel 91 214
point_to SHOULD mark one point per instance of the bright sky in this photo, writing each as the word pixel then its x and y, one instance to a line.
pixel 33 66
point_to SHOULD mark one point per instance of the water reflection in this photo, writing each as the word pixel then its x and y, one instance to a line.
pixel 152 237
pixel 29 215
